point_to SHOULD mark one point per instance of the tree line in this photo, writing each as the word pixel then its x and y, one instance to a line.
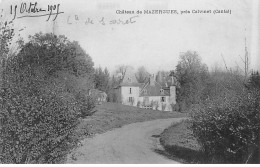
pixel 224 107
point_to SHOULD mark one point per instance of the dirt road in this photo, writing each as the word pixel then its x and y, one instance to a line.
pixel 132 143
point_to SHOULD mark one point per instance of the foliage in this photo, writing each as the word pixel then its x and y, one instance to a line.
pixel 39 105
pixel 121 70
pixel 222 81
pixel 180 145
pixel 155 105
pixel 192 75
pixel 35 128
pixel 254 80
pixel 161 75
pixel 227 126
pixel 85 104
pixel 163 106
pixel 175 107
pixel 53 53
pixel 53 64
pixel 6 37
pixel 112 95
pixel 139 104
pixel 142 75
pixel 101 79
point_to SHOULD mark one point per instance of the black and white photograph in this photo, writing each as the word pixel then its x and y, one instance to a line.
pixel 129 82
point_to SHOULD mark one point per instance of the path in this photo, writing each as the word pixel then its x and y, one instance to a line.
pixel 133 143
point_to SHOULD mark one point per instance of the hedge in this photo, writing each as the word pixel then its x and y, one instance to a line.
pixel 36 128
pixel 228 127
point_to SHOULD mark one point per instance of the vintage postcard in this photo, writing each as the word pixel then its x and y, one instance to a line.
pixel 129 81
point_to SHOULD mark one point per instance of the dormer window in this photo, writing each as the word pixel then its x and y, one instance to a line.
pixel 161 91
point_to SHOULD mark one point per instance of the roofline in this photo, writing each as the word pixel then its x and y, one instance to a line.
pixel 148 83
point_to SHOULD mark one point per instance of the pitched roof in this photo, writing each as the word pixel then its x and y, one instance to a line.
pixel 154 90
pixel 129 79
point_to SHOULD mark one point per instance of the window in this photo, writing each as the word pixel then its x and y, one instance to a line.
pixel 130 90
pixel 161 91
pixel 162 99
pixel 131 99
pixel 129 79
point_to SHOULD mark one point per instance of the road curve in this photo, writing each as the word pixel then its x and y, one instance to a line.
pixel 130 144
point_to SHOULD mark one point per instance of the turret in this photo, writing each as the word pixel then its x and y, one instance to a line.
pixel 173 94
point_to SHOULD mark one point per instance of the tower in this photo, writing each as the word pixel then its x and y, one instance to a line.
pixel 173 88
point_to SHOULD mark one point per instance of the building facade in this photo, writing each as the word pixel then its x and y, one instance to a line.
pixel 150 95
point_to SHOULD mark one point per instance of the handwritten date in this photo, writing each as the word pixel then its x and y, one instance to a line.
pixel 32 10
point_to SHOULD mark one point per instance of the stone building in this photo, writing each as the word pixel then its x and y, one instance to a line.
pixel 152 95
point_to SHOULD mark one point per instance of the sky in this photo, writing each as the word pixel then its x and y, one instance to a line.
pixel 154 41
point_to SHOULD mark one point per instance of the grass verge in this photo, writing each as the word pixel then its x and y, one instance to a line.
pixel 113 115
pixel 180 145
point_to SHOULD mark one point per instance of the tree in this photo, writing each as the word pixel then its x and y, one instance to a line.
pixel 112 96
pixel 39 104
pixel 192 75
pixel 54 54
pixel 160 77
pixel 121 70
pixel 142 75
pixel 6 37
pixel 254 80
pixel 101 79
pixel 53 60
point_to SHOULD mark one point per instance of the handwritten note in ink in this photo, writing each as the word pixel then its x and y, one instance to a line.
pixel 33 10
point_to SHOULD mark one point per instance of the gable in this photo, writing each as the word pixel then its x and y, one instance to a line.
pixel 129 79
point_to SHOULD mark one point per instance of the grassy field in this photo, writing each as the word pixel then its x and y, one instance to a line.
pixel 180 145
pixel 113 115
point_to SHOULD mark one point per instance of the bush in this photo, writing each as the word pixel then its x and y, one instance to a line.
pixel 163 107
pixel 39 110
pixel 175 107
pixel 155 105
pixel 227 127
pixel 86 104
pixel 139 104
pixel 35 128
pixel 183 107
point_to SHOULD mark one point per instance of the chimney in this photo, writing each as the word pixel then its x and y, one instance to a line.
pixel 152 80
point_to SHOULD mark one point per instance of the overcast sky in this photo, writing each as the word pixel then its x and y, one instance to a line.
pixel 154 41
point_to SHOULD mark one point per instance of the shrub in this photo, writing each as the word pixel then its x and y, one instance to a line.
pixel 156 104
pixel 227 127
pixel 182 106
pixel 139 104
pixel 175 107
pixel 85 104
pixel 35 128
pixel 39 110
pixel 163 107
